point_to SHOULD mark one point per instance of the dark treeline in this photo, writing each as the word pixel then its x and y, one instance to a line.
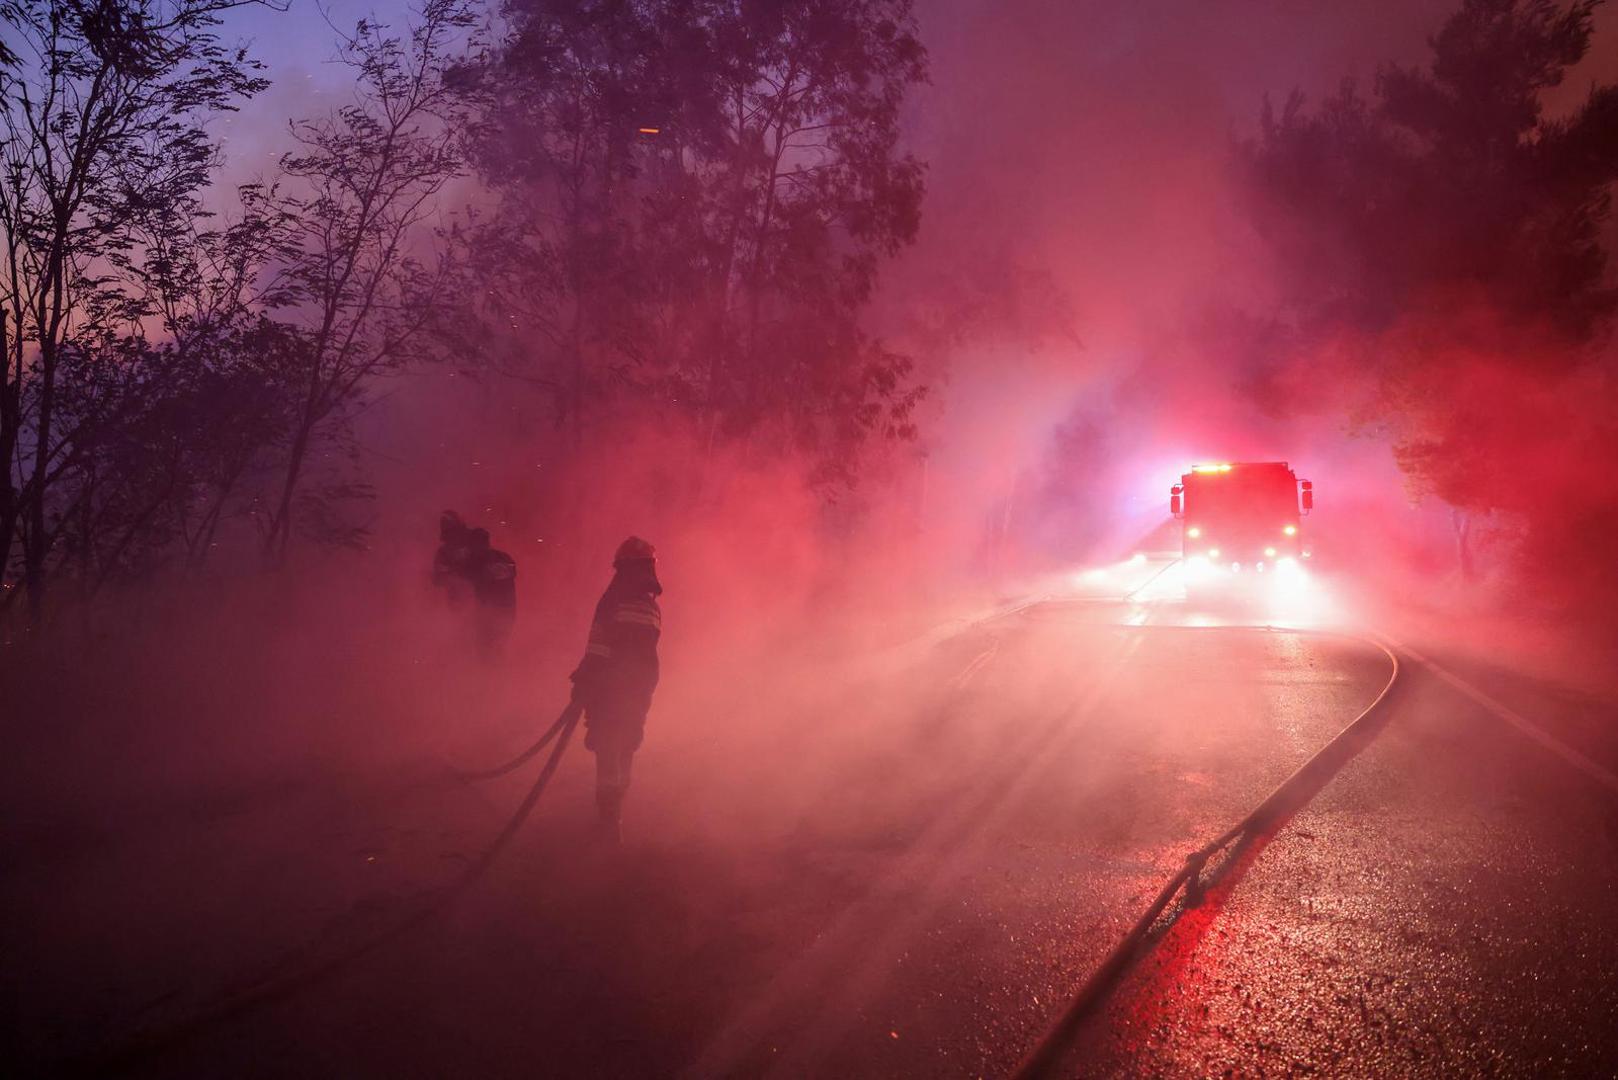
pixel 676 210
pixel 1443 245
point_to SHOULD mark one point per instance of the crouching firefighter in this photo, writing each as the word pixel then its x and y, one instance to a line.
pixel 614 683
pixel 493 575
pixel 449 561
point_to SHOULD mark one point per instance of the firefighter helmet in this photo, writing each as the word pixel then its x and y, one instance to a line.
pixel 633 549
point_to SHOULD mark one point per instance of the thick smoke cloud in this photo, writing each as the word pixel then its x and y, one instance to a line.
pixel 1084 151
pixel 1091 147
pixel 1087 297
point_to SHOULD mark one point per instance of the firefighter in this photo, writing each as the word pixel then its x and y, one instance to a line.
pixel 614 682
pixel 493 577
pixel 449 561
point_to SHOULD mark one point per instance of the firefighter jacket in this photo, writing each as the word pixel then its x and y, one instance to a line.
pixel 494 578
pixel 619 670
pixel 450 561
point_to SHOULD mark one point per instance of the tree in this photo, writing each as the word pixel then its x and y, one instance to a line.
pixel 561 104
pixel 173 425
pixel 360 298
pixel 814 194
pixel 103 107
pixel 1442 245
pixel 1449 186
pixel 170 433
pixel 695 199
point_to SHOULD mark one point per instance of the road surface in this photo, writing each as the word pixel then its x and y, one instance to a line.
pixel 903 868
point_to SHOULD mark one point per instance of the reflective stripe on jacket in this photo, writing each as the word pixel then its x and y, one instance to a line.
pixel 621 654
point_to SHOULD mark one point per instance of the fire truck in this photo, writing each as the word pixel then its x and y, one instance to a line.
pixel 1242 517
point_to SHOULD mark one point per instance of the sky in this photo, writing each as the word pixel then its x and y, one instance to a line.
pixel 297 44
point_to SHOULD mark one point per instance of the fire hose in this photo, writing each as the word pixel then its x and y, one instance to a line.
pixel 1286 799
pixel 570 715
pixel 267 990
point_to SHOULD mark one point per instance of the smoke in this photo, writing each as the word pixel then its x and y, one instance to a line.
pixel 1090 307
pixel 1093 311
pixel 1087 301
pixel 1086 153
pixel 1081 155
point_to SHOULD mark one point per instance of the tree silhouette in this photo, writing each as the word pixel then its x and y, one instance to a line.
pixel 695 199
pixel 1442 240
pixel 359 299
pixel 103 107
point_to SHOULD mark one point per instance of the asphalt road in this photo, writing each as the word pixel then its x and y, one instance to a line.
pixel 904 868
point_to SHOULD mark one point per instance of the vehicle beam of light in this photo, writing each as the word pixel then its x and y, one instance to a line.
pixel 1297 597
pixel 1286 593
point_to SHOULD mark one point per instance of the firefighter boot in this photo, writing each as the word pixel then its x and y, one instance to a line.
pixel 612 783
pixel 609 816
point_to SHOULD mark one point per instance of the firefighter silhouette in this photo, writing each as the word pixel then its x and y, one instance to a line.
pixel 493 577
pixel 615 680
pixel 449 561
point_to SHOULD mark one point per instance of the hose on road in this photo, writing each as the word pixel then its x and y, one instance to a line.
pixel 279 987
pixel 571 712
pixel 1287 798
pixel 1143 586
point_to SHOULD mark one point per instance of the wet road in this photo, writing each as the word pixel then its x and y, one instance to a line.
pixel 907 875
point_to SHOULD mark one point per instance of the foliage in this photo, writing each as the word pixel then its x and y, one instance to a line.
pixel 358 298
pixel 695 197
pixel 1441 244
pixel 1450 186
pixel 103 107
